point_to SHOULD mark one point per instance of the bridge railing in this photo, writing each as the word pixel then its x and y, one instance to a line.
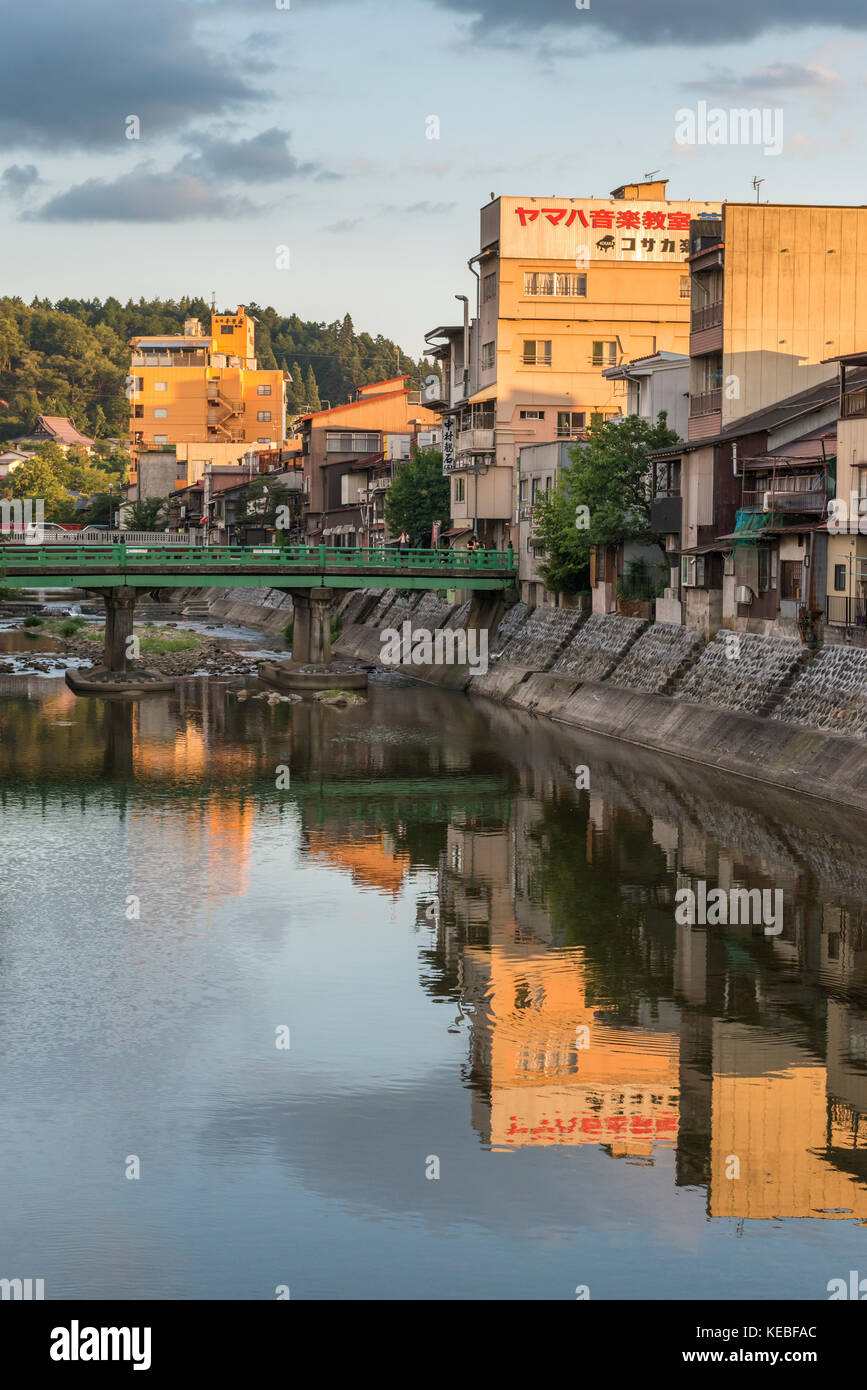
pixel 200 556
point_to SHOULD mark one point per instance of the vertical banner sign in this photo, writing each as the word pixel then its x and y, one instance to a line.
pixel 448 443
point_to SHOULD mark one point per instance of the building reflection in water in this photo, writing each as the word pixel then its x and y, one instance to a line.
pixel 592 1018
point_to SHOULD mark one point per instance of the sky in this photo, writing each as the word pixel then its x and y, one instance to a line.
pixel 331 156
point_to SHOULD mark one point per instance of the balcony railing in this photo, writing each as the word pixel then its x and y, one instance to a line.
pixel 475 441
pixel 709 316
pixel 855 403
pixel 798 501
pixel 170 359
pixel 706 403
pixel 843 610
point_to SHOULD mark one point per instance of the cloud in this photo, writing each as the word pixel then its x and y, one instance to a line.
pixel 143 195
pixel 263 158
pixel 79 70
pixel 777 77
pixel 422 209
pixel 677 22
pixel 344 226
pixel 19 179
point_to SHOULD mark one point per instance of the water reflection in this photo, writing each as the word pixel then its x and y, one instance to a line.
pixel 720 1062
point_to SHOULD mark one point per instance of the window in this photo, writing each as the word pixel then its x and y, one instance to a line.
pixel 459 489
pixel 537 352
pixel 532 414
pixel 487 355
pixel 522 491
pixel 605 354
pixel 340 442
pixel 692 571
pixel 227 328
pixel 263 390
pixel 570 422
pixel 550 284
pixel 729 564
pixel 489 286
pixel 136 384
pixel 534 488
pixel 596 417
pixel 161 386
pixel 263 415
pixel 840 578
pixel 161 439
pixel 685 287
pixel 790 579
pixel 263 441
pixel 160 414
pixel 138 411
pixel 767 568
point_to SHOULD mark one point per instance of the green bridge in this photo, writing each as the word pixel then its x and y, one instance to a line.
pixel 234 566
pixel 119 573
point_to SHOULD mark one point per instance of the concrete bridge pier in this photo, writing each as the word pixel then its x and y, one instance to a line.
pixel 311 632
pixel 120 672
pixel 119 621
pixel 310 668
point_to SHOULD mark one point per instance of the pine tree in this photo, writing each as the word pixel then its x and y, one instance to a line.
pixel 295 395
pixel 311 390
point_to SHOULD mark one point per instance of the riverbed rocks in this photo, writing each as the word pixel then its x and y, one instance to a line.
pixel 830 692
pixel 599 646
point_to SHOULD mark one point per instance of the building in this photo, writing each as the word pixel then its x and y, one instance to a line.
pixel 539 466
pixel 56 429
pixel 776 291
pixel 12 459
pixel 565 288
pixel 195 389
pixel 652 385
pixel 349 453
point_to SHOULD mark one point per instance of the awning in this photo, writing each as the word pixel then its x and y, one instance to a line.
pixel 458 531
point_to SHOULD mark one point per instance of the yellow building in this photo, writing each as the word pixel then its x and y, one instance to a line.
pixel 566 288
pixel 198 389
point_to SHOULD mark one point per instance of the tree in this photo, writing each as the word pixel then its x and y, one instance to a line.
pixel 147 514
pixel 418 496
pixel 295 395
pixel 35 478
pixel 603 497
pixel 311 390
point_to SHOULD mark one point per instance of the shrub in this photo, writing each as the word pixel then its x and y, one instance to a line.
pixel 32 621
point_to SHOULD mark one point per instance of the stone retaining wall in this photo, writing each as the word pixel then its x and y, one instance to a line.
pixel 742 671
pixel 599 646
pixel 830 692
pixel 662 655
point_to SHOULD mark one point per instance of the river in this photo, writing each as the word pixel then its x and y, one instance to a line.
pixel 377 1003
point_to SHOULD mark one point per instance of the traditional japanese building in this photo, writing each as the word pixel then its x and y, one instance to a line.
pixel 565 288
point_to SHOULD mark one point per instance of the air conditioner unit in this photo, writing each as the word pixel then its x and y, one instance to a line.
pixel 743 594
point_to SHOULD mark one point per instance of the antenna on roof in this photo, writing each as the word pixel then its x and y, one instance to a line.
pixel 652 172
pixel 213 301
pixel 757 183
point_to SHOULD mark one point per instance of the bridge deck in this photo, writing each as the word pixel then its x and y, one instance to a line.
pixel 278 567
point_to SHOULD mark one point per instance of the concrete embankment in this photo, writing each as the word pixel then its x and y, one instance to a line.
pixel 760 707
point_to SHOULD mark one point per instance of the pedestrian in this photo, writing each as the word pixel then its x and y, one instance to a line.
pixel 510 553
pixel 403 542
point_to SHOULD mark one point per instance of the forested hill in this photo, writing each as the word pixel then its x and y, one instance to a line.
pixel 71 358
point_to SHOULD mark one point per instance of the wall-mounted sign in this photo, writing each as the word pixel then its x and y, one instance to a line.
pixel 448 444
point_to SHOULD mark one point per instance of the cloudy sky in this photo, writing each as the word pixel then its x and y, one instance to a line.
pixel 306 124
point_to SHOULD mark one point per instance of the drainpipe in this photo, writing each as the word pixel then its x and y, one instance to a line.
pixel 466 304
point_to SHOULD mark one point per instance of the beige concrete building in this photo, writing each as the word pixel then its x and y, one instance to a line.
pixel 565 288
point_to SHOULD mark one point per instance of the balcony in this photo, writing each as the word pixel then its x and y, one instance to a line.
pixel 855 403
pixel 708 316
pixel 796 501
pixel 475 441
pixel 665 514
pixel 706 403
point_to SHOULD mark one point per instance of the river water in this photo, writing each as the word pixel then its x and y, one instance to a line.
pixel 420 1023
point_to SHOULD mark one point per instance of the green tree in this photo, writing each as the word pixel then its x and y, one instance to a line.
pixel 147 514
pixel 296 398
pixel 311 391
pixel 603 496
pixel 37 478
pixel 418 496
